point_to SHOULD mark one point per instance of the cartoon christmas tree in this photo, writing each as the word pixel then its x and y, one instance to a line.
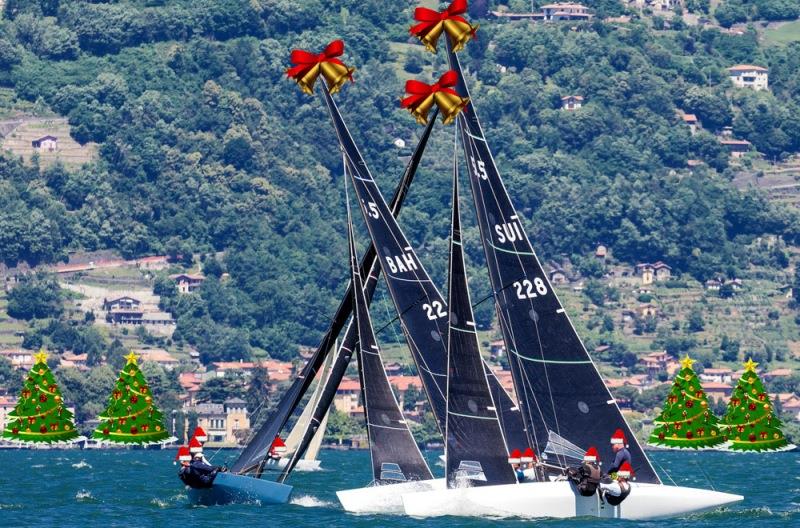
pixel 686 421
pixel 40 415
pixel 750 423
pixel 131 416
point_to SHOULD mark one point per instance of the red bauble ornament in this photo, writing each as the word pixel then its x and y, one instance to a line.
pixel 752 406
pixel 134 430
pixel 43 429
pixel 106 432
pixel 689 435
pixel 690 404
pixel 43 398
pixel 134 398
pixel 14 431
pixel 752 437
pixel 661 436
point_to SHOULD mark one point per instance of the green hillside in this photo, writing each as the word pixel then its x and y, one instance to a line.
pixel 203 146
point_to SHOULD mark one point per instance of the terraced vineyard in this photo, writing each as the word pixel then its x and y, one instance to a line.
pixel 71 153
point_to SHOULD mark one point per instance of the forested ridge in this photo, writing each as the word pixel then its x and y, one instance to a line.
pixel 206 147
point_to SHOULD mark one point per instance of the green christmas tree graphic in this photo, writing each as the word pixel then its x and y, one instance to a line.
pixel 40 415
pixel 750 423
pixel 686 422
pixel 131 416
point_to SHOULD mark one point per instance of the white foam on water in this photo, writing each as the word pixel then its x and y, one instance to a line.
pixel 160 503
pixel 10 506
pixel 84 495
pixel 82 464
pixel 309 501
pixel 37 466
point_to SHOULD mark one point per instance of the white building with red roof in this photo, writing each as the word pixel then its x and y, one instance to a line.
pixel 749 76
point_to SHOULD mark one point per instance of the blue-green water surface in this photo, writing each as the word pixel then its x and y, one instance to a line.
pixel 140 489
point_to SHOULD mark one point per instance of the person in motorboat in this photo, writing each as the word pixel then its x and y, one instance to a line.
pixel 621 453
pixel 615 491
pixel 587 476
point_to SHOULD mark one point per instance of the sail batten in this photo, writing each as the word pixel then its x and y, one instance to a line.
pixel 558 386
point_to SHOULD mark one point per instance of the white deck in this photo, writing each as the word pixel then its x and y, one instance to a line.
pixel 386 498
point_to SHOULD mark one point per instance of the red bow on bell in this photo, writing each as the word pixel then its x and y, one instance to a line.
pixel 308 66
pixel 432 23
pixel 422 96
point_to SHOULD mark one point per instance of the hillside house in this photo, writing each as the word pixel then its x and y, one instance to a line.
pixel 717 390
pixel 749 76
pixel 45 143
pixel 656 272
pixel 788 401
pixel 19 358
pixel 571 102
pixel 187 283
pixel 72 360
pixel 717 375
pixel 497 348
pixel 692 122
pixel 158 356
pixel 222 421
pixel 565 11
pixel 348 398
pixel 655 363
pixel 780 373
pixel 601 253
pixel 123 310
pixel 557 276
pixel 7 404
pixel 644 311
pixel 737 147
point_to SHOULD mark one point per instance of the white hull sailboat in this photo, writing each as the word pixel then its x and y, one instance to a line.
pixel 560 500
pixel 385 498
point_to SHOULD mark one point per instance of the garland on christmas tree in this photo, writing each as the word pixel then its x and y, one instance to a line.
pixel 686 422
pixel 40 415
pixel 750 423
pixel 131 416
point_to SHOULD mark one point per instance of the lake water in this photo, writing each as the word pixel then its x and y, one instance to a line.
pixel 141 489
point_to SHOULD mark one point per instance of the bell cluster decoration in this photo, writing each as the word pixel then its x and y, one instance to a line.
pixel 308 67
pixel 423 96
pixel 433 23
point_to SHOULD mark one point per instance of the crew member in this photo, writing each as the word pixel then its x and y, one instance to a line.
pixel 201 474
pixel 621 453
pixel 185 458
pixel 196 447
pixel 515 459
pixel 615 491
pixel 587 477
pixel 529 466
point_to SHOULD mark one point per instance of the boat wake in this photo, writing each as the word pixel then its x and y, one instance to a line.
pixel 309 501
pixel 82 465
pixel 84 496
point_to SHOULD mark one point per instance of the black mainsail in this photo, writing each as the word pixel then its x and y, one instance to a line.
pixel 422 309
pixel 395 455
pixel 346 348
pixel 252 458
pixel 475 449
pixel 558 386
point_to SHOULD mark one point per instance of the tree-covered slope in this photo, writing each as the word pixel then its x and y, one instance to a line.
pixel 206 147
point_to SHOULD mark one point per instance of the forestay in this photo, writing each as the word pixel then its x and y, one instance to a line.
pixel 558 386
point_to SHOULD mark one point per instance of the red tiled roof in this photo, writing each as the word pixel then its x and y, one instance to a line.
pixel 747 67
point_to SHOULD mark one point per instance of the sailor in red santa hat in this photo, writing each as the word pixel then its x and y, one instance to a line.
pixel 587 476
pixel 621 453
pixel 616 491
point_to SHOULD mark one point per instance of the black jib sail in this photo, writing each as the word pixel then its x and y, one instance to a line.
pixel 252 457
pixel 558 386
pixel 421 308
pixel 475 449
pixel 345 351
pixel 395 454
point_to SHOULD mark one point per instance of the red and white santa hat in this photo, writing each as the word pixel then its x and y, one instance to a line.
pixel 591 455
pixel 195 446
pixel 201 435
pixel 515 457
pixel 625 470
pixel 277 445
pixel 528 456
pixel 618 438
pixel 184 455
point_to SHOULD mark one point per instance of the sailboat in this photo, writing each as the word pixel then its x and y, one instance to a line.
pixel 307 461
pixel 397 462
pixel 561 395
pixel 422 313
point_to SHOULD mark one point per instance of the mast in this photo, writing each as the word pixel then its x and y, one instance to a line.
pixel 558 386
pixel 421 308
pixel 395 455
pixel 474 444
pixel 348 344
